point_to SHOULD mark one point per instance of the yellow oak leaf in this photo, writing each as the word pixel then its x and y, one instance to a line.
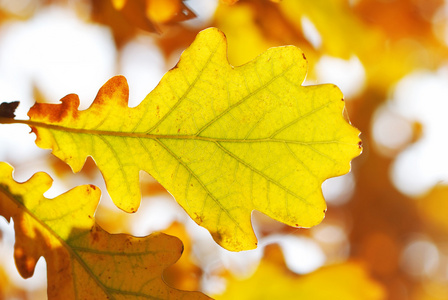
pixel 252 27
pixel 83 260
pixel 341 31
pixel 223 140
pixel 272 280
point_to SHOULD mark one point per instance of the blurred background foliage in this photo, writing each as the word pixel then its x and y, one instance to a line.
pixel 385 235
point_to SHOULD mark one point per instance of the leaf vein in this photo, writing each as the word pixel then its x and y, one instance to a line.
pixel 242 100
pixel 201 183
pixel 261 173
pixel 190 87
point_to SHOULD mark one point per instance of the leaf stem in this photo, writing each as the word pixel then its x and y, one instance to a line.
pixel 4 120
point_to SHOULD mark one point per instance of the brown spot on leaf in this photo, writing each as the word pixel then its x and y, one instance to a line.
pixel 217 236
pixel 198 218
pixel 303 55
pixel 360 144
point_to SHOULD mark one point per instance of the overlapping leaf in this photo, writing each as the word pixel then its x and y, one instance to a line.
pixel 347 281
pixel 83 261
pixel 253 26
pixel 126 18
pixel 223 140
pixel 432 207
pixel 185 274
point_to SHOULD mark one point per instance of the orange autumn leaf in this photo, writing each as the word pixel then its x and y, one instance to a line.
pixel 83 260
pixel 229 2
pixel 185 274
pixel 253 26
pixel 433 207
pixel 165 11
pixel 177 38
pixel 126 18
pixel 124 23
pixel 342 32
pixel 412 21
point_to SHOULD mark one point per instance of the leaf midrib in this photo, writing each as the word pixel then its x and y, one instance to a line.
pixel 157 136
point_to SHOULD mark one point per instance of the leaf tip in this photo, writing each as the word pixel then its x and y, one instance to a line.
pixel 212 33
pixel 25 263
pixel 235 244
